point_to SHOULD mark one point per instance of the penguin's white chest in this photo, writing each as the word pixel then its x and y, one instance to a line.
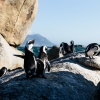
pixel 90 52
pixel 44 64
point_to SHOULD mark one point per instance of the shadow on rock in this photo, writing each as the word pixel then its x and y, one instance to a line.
pixel 62 85
pixel 96 94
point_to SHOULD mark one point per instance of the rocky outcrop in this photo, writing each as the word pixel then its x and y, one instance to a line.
pixel 68 80
pixel 8 56
pixel 16 17
pixel 95 63
pixel 53 53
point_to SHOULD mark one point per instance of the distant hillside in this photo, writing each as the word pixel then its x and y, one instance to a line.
pixel 39 40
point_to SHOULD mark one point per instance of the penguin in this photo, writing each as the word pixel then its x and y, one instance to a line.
pixel 98 52
pixel 72 46
pixel 3 71
pixel 42 62
pixel 64 49
pixel 30 63
pixel 92 50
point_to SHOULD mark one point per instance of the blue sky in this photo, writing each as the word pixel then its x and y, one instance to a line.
pixel 66 20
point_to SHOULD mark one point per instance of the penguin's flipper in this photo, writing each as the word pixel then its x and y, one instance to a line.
pixel 40 62
pixel 40 67
pixel 48 66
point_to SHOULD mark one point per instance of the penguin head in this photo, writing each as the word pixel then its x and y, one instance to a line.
pixel 64 48
pixel 72 42
pixel 30 44
pixel 61 49
pixel 43 49
pixel 43 52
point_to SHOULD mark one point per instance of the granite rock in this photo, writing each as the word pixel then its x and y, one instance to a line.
pixel 53 53
pixel 16 17
pixel 8 56
pixel 95 62
pixel 68 80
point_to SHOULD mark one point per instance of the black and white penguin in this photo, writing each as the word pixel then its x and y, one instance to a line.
pixel 72 46
pixel 30 63
pixel 98 52
pixel 92 50
pixel 42 62
pixel 3 71
pixel 64 49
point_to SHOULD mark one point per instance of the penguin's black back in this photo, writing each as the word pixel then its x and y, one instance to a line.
pixel 90 46
pixel 40 67
pixel 29 60
pixel 66 48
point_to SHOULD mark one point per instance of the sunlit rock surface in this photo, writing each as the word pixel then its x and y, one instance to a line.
pixel 7 56
pixel 16 17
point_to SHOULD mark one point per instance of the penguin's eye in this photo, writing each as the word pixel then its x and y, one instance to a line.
pixel 29 43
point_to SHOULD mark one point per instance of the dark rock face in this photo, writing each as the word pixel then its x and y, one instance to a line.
pixel 96 95
pixel 68 80
pixel 62 85
pixel 53 53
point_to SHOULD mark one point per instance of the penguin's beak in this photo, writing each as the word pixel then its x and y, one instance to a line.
pixel 46 49
pixel 33 41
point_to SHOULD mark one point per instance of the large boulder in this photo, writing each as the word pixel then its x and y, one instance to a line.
pixel 8 55
pixel 53 53
pixel 68 80
pixel 16 17
pixel 95 63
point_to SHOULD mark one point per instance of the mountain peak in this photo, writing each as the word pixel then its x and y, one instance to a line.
pixel 39 40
